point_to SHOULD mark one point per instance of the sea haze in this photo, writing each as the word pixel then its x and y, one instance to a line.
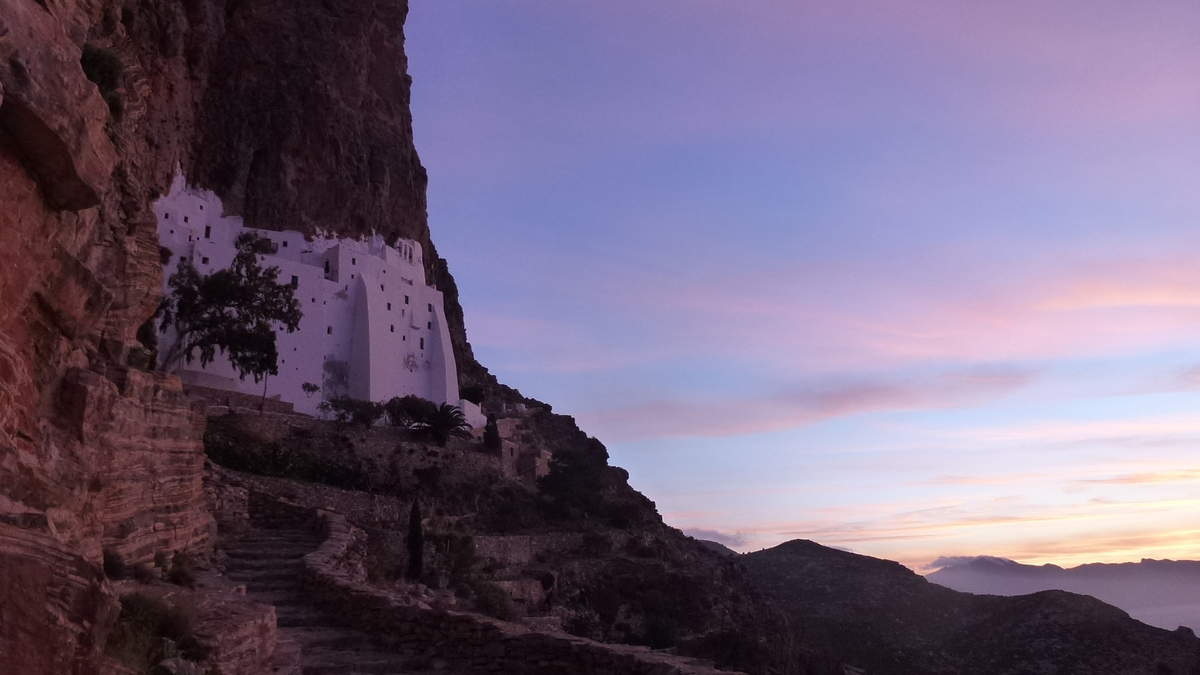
pixel 1163 593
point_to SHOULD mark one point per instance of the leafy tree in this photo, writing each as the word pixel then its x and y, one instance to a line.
pixel 355 411
pixel 491 434
pixel 410 412
pixel 310 388
pixel 446 421
pixel 577 479
pixel 415 540
pixel 231 310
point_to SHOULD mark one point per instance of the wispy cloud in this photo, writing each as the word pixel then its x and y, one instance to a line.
pixel 734 540
pixel 1178 476
pixel 800 406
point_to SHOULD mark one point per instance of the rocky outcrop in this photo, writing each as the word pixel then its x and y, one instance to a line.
pixel 306 123
pixel 469 642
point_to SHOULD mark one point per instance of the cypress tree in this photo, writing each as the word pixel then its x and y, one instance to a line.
pixel 416 542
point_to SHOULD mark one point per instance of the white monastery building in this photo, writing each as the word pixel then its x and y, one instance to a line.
pixel 372 328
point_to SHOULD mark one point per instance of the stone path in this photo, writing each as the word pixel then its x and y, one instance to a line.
pixel 268 559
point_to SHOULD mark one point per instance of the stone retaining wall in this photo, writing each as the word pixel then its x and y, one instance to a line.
pixel 236 399
pixel 460 641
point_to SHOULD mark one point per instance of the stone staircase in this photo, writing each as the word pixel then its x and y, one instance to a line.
pixel 268 559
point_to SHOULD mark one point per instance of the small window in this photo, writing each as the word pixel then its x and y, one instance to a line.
pixel 429 325
pixel 354 261
pixel 185 219
pixel 326 267
pixel 381 287
pixel 208 231
pixel 404 339
pixel 201 207
pixel 430 306
pixel 285 243
pixel 204 260
pixel 295 281
pixel 422 343
pixel 406 299
pixel 312 300
pixel 172 231
pixel 392 328
pixel 329 330
pixel 167 216
pixel 389 306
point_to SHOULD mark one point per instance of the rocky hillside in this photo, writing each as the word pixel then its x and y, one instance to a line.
pixel 295 112
pixel 883 618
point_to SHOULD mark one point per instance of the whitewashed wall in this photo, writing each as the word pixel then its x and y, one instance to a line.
pixel 372 328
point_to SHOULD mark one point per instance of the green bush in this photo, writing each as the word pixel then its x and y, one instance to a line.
pixel 145 574
pixel 114 565
pixel 355 411
pixel 491 434
pixel 183 570
pixel 409 412
pixel 136 640
pixel 102 66
pixel 493 600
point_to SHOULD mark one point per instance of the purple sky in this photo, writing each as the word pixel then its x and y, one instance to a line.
pixel 909 280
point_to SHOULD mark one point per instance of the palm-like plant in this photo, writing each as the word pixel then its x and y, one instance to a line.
pixel 446 421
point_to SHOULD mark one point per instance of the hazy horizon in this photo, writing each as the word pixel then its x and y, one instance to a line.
pixel 913 282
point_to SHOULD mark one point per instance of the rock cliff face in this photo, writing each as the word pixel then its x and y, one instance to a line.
pixel 296 113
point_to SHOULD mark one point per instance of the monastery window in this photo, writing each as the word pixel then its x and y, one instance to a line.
pixel 354 261
pixel 351 276
pixel 422 343
pixel 172 231
pixel 430 306
pixel 201 207
pixel 389 306
pixel 429 325
pixel 381 287
pixel 313 300
pixel 326 267
pixel 185 219
pixel 392 328
pixel 295 281
pixel 204 260
pixel 285 243
pixel 404 338
pixel 208 231
pixel 406 299
pixel 167 216
pixel 329 330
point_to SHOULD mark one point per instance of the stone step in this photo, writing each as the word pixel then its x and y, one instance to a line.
pixel 295 574
pixel 315 640
pixel 269 552
pixel 268 563
pixel 294 598
pixel 365 662
pixel 292 585
pixel 300 616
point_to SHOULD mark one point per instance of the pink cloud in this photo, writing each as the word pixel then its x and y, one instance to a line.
pixel 787 409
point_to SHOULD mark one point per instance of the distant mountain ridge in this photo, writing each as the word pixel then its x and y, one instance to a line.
pixel 1163 593
pixel 880 617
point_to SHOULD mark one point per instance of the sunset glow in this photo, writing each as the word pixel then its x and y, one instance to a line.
pixel 913 281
